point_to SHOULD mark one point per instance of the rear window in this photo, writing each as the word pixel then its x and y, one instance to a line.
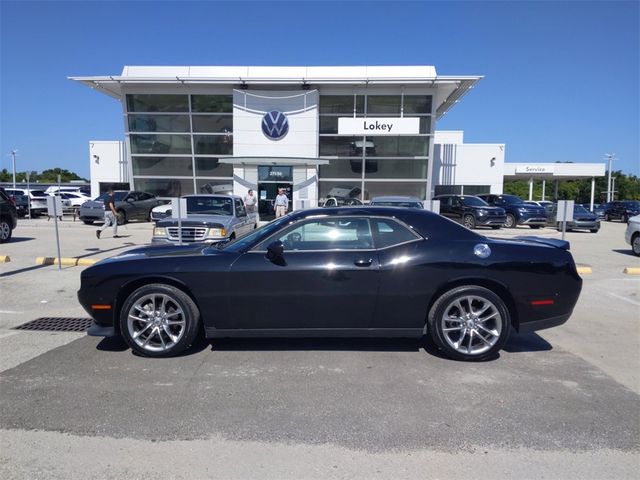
pixel 38 193
pixel 387 232
pixel 474 202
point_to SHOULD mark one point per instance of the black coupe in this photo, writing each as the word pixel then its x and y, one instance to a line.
pixel 347 272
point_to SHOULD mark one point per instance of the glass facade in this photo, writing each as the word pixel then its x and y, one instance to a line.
pixel 374 165
pixel 177 142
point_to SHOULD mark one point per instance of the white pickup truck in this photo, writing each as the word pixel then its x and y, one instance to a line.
pixel 210 218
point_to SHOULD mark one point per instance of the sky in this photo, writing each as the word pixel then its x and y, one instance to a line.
pixel 561 78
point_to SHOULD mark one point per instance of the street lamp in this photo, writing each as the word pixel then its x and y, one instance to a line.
pixel 13 159
pixel 610 157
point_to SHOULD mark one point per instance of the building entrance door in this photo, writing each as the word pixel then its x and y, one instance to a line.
pixel 267 193
pixel 270 179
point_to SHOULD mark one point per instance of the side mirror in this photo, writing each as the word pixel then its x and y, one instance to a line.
pixel 275 251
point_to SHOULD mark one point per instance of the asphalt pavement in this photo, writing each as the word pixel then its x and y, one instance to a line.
pixel 562 403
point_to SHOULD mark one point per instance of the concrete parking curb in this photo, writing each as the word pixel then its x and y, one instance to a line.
pixel 632 271
pixel 67 261
pixel 5 258
pixel 584 270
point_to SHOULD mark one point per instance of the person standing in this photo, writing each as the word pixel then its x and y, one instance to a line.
pixel 282 203
pixel 110 215
pixel 250 202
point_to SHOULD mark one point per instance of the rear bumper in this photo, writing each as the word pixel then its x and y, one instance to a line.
pixel 96 330
pixel 544 323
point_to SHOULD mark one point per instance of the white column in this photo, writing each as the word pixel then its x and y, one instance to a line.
pixel 593 188
pixel 531 189
pixel 544 187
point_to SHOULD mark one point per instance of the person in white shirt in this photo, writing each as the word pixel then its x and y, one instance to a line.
pixel 250 202
pixel 282 203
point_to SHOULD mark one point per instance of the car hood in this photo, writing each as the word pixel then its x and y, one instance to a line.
pixel 583 217
pixel 92 204
pixel 488 208
pixel 529 208
pixel 217 221
pixel 168 250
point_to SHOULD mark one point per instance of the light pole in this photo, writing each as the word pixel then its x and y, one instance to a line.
pixel 610 157
pixel 13 160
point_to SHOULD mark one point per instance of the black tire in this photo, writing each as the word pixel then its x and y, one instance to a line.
pixel 594 230
pixel 625 219
pixel 121 217
pixel 5 230
pixel 445 304
pixel 148 219
pixel 635 244
pixel 190 314
pixel 510 222
pixel 535 227
pixel 87 222
pixel 607 217
pixel 469 221
pixel 495 227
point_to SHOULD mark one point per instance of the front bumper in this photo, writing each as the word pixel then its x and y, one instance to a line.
pixel 586 224
pixel 542 221
pixel 497 220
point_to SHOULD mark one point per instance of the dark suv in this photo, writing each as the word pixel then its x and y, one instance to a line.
pixel 622 210
pixel 471 211
pixel 8 217
pixel 518 212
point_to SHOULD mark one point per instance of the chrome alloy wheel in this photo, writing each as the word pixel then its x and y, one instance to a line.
pixel 156 322
pixel 471 325
pixel 5 230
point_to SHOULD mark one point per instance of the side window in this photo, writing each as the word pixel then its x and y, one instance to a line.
pixel 144 196
pixel 240 212
pixel 387 232
pixel 326 234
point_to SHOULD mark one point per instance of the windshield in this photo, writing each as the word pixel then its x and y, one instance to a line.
pixel 511 199
pixel 474 202
pixel 579 209
pixel 245 241
pixel 209 205
pixel 38 193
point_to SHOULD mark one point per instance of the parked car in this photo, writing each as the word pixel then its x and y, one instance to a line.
pixel 160 212
pixel 210 218
pixel 327 272
pixel 341 202
pixel 582 219
pixel 8 217
pixel 517 212
pixel 622 210
pixel 600 209
pixel 20 200
pixel 53 190
pixel 130 205
pixel 397 201
pixel 632 234
pixel 37 198
pixel 74 199
pixel 471 211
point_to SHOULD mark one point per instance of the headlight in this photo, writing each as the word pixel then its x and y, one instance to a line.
pixel 523 210
pixel 159 232
pixel 482 212
pixel 216 233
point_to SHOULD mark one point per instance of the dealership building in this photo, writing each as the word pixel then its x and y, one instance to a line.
pixel 317 132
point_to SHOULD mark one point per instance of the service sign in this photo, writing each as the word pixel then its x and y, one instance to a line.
pixel 534 169
pixel 378 126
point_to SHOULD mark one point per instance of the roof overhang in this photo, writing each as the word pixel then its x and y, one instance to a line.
pixel 455 86
pixel 553 171
pixel 265 161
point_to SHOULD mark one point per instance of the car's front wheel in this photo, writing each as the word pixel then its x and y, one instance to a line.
pixel 469 323
pixel 635 244
pixel 469 222
pixel 159 320
pixel 5 230
pixel 510 222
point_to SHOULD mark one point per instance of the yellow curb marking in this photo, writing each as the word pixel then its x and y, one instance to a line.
pixel 68 261
pixel 584 270
pixel 632 271
pixel 5 258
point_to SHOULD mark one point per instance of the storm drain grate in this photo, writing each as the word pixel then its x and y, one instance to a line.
pixel 56 324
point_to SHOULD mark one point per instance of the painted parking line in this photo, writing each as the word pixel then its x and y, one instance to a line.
pixel 624 299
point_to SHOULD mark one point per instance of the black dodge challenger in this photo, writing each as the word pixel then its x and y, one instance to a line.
pixel 347 272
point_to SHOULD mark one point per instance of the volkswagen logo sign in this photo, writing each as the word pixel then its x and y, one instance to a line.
pixel 275 125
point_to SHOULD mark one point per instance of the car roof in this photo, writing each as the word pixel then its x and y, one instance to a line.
pixel 396 198
pixel 212 195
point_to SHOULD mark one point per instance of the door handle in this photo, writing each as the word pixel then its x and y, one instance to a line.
pixel 363 262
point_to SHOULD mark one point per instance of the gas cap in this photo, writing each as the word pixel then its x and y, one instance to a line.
pixel 482 250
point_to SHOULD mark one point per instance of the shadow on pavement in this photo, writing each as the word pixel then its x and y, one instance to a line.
pixel 526 342
pixel 20 239
pixel 93 251
pixel 624 252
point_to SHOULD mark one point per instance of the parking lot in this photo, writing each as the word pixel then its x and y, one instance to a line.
pixel 562 403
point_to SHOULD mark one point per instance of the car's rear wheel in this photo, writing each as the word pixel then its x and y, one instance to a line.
pixel 87 222
pixel 469 323
pixel 469 222
pixel 635 244
pixel 5 230
pixel 121 217
pixel 510 222
pixel 607 217
pixel 159 320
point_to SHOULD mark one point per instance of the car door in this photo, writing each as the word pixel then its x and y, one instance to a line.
pixel 327 278
pixel 241 218
pixel 457 209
